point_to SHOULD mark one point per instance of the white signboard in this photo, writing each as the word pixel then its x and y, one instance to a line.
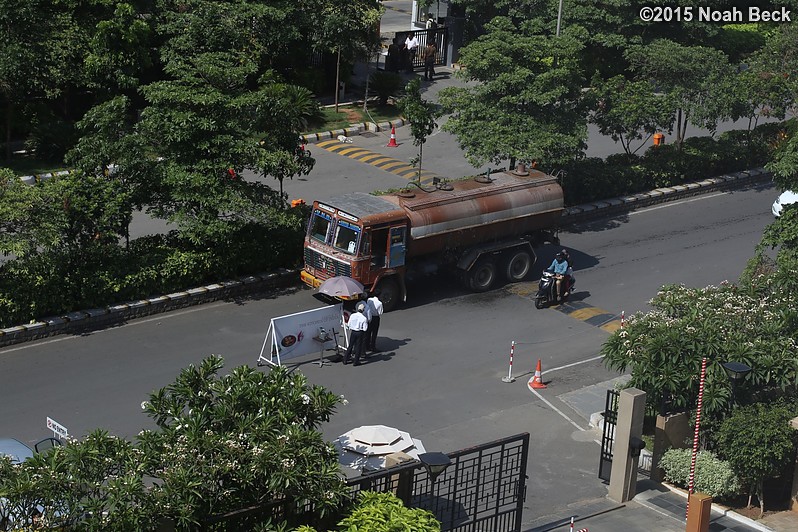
pixel 292 335
pixel 58 429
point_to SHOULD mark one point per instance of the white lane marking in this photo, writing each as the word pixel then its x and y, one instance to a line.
pixel 555 409
pixel 113 327
pixel 572 365
pixel 672 203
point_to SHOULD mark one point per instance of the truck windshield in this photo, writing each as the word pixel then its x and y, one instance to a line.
pixel 320 225
pixel 346 235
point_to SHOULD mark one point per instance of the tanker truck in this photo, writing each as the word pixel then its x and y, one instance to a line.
pixel 478 229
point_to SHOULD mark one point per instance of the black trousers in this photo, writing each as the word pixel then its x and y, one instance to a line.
pixel 357 344
pixel 374 327
pixel 429 70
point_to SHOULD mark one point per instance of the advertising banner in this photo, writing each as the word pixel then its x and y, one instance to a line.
pixel 293 335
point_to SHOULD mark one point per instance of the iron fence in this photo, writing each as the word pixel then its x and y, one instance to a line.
pixel 483 489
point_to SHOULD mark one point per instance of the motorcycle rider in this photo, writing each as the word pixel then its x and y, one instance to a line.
pixel 559 267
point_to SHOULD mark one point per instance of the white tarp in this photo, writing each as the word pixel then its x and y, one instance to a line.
pixel 293 335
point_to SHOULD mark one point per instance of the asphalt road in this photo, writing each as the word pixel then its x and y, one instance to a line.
pixel 444 353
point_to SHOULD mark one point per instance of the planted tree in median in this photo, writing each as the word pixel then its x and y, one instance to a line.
pixel 421 114
pixel 700 79
pixel 629 111
pixel 526 105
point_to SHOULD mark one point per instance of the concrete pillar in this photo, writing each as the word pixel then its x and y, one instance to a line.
pixel 699 513
pixel 671 432
pixel 623 477
pixel 794 491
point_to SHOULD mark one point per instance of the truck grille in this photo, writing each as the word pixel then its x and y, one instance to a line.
pixel 325 266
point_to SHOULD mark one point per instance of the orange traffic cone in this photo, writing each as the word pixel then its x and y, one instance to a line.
pixel 536 382
pixel 392 143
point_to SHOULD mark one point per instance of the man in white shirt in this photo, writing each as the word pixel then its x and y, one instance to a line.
pixel 358 325
pixel 411 47
pixel 374 305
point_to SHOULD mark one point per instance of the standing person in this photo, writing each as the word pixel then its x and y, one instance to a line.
pixel 429 60
pixel 411 47
pixel 375 306
pixel 432 27
pixel 358 325
pixel 392 60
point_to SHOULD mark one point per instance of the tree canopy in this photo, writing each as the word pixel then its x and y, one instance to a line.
pixel 527 103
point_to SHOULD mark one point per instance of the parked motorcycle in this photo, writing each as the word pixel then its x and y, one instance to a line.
pixel 547 289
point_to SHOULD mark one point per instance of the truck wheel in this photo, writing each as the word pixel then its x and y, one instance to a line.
pixel 482 275
pixel 389 294
pixel 518 266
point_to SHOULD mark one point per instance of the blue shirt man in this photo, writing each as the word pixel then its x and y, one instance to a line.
pixel 559 266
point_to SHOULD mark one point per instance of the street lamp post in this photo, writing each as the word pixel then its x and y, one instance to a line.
pixel 736 372
pixel 559 18
pixel 435 463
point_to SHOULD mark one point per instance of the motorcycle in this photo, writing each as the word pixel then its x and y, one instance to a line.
pixel 547 289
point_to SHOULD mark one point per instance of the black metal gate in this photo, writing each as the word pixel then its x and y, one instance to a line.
pixel 608 434
pixel 483 489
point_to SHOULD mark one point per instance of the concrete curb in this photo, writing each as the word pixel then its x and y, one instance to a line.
pixel 352 130
pixel 40 178
pixel 722 510
pixel 599 209
pixel 82 320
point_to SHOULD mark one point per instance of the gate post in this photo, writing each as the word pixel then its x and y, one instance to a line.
pixel 623 477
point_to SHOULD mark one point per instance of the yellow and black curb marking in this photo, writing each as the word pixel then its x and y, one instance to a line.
pixel 595 316
pixel 389 164
pixel 580 310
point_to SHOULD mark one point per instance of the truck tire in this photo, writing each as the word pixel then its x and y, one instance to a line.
pixel 482 276
pixel 518 265
pixel 389 294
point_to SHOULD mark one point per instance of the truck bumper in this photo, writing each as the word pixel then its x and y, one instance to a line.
pixel 314 282
pixel 309 279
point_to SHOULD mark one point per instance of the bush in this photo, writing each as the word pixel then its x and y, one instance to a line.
pixel 712 475
pixel 699 158
pixel 385 85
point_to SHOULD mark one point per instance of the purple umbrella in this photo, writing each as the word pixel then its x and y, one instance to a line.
pixel 341 286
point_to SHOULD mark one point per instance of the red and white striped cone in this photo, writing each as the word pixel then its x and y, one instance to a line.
pixel 509 377
pixel 392 143
pixel 536 382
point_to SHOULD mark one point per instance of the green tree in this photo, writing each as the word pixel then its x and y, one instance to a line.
pixel 526 105
pixel 627 110
pixel 663 348
pixel 346 29
pixel 764 449
pixel 22 58
pixel 421 114
pixel 222 443
pixel 247 438
pixel 700 79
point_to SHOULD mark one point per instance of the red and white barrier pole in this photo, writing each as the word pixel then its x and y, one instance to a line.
pixel 580 530
pixel 690 484
pixel 623 319
pixel 509 377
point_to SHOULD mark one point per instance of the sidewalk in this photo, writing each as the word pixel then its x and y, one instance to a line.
pixel 656 506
